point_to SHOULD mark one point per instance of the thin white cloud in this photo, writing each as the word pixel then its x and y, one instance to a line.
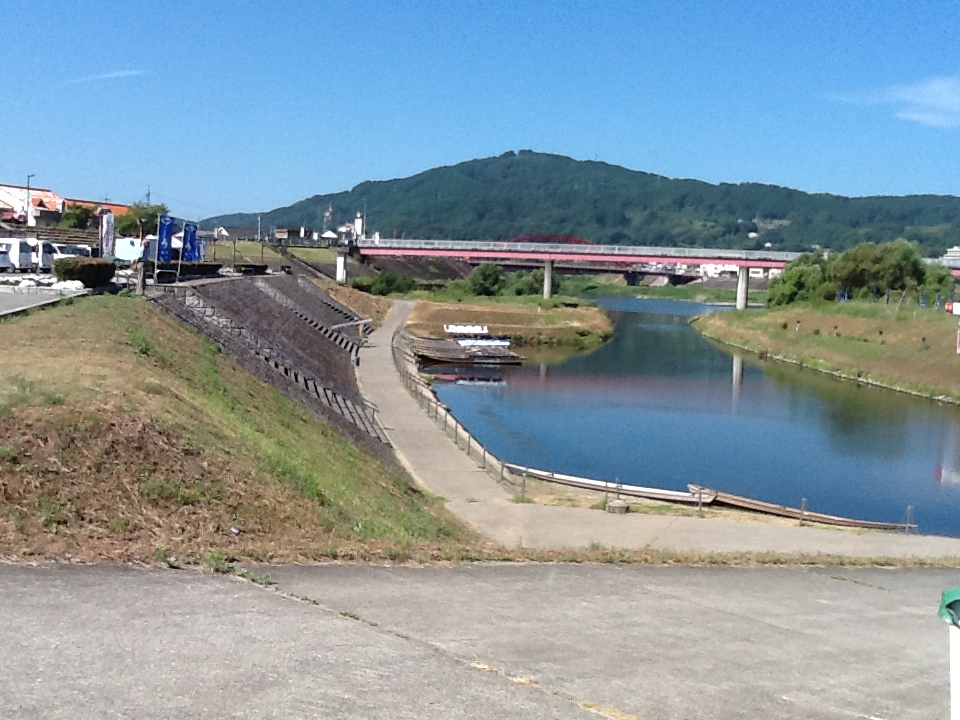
pixel 934 102
pixel 107 76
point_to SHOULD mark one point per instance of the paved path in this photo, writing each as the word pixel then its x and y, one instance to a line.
pixel 14 301
pixel 475 641
pixel 435 462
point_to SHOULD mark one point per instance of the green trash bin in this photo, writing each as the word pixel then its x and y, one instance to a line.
pixel 950 606
pixel 950 612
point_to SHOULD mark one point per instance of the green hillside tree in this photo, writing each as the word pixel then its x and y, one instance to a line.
pixel 487 279
pixel 78 217
pixel 127 224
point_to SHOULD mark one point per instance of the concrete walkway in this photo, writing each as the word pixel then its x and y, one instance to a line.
pixel 14 301
pixel 475 641
pixel 435 462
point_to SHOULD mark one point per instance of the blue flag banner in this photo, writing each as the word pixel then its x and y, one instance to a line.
pixel 923 300
pixel 191 249
pixel 936 303
pixel 165 239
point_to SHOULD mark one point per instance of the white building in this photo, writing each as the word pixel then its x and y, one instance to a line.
pixel 45 205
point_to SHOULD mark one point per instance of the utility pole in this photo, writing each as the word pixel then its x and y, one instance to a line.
pixel 148 194
pixel 29 209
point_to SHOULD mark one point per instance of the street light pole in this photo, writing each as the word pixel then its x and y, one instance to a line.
pixel 29 213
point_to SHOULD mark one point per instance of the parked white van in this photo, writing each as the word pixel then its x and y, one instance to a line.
pixel 22 253
pixel 6 265
pixel 48 252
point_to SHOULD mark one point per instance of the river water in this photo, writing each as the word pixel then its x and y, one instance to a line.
pixel 660 406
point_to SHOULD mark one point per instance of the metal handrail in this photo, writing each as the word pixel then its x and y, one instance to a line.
pixel 442 416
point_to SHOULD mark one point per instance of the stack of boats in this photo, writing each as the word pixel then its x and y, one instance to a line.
pixel 466 345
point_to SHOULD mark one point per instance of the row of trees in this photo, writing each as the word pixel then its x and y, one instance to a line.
pixel 487 280
pixel 864 271
pixel 140 214
pixel 490 280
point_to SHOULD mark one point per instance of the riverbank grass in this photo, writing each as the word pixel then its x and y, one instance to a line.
pixel 909 349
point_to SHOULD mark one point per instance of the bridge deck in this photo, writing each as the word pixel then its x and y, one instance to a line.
pixel 576 253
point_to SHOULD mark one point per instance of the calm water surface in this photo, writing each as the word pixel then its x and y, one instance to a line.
pixel 658 405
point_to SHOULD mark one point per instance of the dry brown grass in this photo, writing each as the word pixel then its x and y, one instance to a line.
pixel 124 436
pixel 93 484
pixel 363 304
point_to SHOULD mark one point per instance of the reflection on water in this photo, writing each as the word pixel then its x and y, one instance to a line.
pixel 660 405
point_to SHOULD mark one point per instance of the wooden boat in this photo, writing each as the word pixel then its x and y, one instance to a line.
pixel 760 506
pixel 449 351
pixel 704 497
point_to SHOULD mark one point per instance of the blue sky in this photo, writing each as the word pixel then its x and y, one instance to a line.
pixel 246 106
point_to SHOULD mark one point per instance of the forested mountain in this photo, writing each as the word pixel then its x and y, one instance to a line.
pixel 526 192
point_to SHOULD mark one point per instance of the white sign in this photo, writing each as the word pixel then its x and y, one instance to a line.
pixel 465 329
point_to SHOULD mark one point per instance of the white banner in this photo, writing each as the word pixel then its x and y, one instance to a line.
pixel 106 235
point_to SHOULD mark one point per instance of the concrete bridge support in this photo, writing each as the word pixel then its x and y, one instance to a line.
pixel 548 279
pixel 743 286
pixel 633 278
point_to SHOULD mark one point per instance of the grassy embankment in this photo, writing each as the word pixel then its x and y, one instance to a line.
pixel 247 251
pixel 125 436
pixel 908 349
pixel 316 255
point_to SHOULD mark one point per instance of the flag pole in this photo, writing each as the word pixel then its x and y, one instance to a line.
pixel 183 246
pixel 156 251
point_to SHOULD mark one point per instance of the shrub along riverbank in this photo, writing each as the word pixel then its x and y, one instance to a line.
pixel 906 348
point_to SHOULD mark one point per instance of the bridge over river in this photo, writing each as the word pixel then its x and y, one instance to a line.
pixel 549 253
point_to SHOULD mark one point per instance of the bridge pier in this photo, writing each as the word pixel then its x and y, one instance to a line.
pixel 743 286
pixel 342 267
pixel 547 279
pixel 633 278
